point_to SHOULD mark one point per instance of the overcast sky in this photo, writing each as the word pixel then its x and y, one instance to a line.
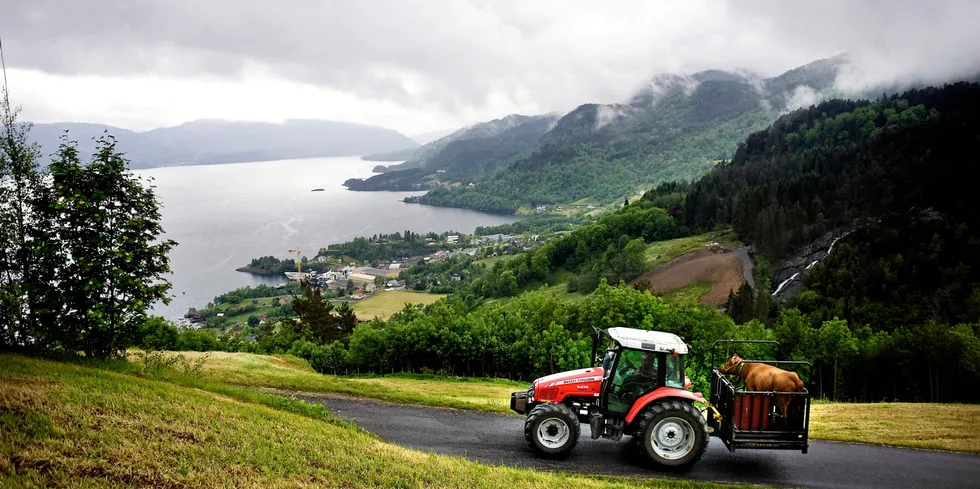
pixel 426 65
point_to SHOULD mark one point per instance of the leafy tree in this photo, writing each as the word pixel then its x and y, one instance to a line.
pixel 26 261
pixel 836 346
pixel 106 223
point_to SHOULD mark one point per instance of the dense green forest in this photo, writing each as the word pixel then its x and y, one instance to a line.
pixel 537 224
pixel 887 175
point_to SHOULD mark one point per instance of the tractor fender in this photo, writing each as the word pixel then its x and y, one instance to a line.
pixel 662 393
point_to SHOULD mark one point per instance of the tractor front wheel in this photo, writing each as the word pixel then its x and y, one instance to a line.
pixel 552 429
pixel 672 433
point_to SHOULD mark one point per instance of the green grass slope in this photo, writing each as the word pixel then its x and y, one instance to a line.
pixel 64 425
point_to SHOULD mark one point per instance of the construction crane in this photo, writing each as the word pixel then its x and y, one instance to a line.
pixel 299 263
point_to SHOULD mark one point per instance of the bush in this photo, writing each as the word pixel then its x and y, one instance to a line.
pixel 302 349
pixel 197 340
pixel 330 359
pixel 158 334
pixel 156 363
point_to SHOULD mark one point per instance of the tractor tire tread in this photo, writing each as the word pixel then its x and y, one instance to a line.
pixel 549 409
pixel 656 411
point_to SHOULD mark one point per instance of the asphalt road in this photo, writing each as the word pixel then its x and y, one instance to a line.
pixel 499 439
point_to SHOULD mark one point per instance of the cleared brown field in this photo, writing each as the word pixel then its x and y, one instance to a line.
pixel 722 268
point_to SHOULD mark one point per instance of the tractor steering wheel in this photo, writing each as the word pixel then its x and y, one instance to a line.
pixel 633 389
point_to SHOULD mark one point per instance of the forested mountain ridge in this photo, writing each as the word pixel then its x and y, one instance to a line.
pixel 213 141
pixel 895 307
pixel 675 127
pixel 463 155
pixel 830 165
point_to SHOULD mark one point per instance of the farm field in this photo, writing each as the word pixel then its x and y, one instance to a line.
pixel 384 304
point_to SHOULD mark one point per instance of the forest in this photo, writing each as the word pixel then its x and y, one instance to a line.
pixel 887 177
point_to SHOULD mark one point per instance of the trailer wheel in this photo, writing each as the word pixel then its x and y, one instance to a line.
pixel 672 433
pixel 552 429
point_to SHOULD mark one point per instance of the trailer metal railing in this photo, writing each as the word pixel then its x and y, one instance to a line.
pixel 750 419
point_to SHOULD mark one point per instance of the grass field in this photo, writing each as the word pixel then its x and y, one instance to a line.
pixel 385 303
pixel 264 306
pixel 292 374
pixel 933 426
pixel 687 295
pixel 64 425
pixel 490 260
pixel 936 426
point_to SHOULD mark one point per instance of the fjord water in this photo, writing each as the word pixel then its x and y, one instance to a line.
pixel 222 216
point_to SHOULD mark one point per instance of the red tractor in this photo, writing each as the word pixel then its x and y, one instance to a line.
pixel 640 389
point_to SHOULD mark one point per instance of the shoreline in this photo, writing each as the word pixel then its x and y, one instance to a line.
pixel 257 271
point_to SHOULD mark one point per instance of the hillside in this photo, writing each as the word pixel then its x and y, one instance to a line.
pixel 67 425
pixel 462 155
pixel 212 141
pixel 864 204
pixel 397 155
pixel 674 128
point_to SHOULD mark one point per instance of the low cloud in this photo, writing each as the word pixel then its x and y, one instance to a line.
pixel 470 60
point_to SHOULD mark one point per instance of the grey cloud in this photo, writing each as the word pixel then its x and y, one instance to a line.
pixel 454 55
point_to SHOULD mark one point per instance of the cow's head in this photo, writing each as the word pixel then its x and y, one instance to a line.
pixel 731 366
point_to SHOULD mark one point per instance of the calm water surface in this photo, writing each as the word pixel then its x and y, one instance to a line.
pixel 222 216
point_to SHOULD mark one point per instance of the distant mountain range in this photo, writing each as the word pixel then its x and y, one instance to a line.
pixel 213 141
pixel 673 128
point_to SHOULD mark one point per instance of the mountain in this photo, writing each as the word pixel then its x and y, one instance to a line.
pixel 866 206
pixel 469 152
pixel 673 128
pixel 214 141
pixel 875 187
pixel 397 155
pixel 428 137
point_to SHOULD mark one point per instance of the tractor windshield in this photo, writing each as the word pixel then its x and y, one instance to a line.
pixel 675 371
pixel 636 374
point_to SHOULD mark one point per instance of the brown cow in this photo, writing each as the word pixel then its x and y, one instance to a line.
pixel 765 378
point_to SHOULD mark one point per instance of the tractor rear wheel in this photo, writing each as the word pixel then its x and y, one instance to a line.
pixel 552 429
pixel 672 433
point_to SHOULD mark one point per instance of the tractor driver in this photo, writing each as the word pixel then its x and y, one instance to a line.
pixel 648 369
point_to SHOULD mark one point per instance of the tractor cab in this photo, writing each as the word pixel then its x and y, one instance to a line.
pixel 638 362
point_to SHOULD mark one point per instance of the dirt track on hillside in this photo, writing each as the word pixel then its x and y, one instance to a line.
pixel 721 267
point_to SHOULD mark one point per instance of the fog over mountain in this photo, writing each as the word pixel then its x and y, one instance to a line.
pixel 420 66
pixel 213 141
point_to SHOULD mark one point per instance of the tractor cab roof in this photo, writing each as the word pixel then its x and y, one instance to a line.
pixel 648 340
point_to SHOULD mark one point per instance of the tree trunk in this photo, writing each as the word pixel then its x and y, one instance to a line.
pixel 930 382
pixel 835 379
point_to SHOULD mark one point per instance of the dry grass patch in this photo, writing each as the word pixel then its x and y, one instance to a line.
pixel 933 426
pixel 384 304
